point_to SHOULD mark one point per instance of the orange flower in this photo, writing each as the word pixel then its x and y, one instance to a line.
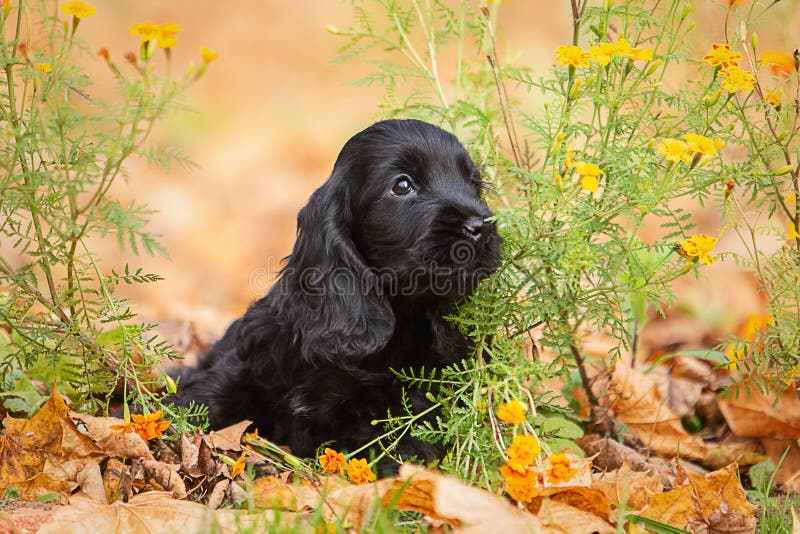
pixel 512 412
pixel 44 67
pixel 163 34
pixel 207 55
pixel 736 79
pixel 720 55
pixel 523 452
pixel 146 426
pixel 522 487
pixel 698 247
pixel 780 63
pixel 332 462
pixel 560 469
pixel 358 471
pixel 238 466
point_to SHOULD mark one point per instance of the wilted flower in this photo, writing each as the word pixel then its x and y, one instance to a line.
pixel 146 426
pixel 238 466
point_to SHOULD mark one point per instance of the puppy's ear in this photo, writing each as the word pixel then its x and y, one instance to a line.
pixel 332 304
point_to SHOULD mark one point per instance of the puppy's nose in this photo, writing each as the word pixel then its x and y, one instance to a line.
pixel 477 229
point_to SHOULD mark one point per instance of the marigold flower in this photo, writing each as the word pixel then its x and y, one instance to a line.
pixel 521 486
pixel 522 452
pixel 589 183
pixel 146 426
pixel 585 168
pixel 773 98
pixel 78 9
pixel 560 469
pixel 780 63
pixel 569 159
pixel 207 55
pixel 146 31
pixel 163 34
pixel 332 462
pixel 721 55
pixel 736 79
pixel 674 150
pixel 642 54
pixel 702 144
pixel 511 412
pixel 790 198
pixel 44 67
pixel 572 55
pixel 358 471
pixel 698 247
pixel 238 466
pixel 602 53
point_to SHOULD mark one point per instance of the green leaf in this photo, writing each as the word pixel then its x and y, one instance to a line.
pixel 655 526
pixel 562 428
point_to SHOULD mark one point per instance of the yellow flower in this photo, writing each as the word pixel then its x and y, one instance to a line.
pixel 790 198
pixel 793 234
pixel 569 159
pixel 44 67
pixel 163 34
pixel 522 452
pixel 585 168
pixel 754 325
pixel 602 53
pixel 146 426
pixel 512 412
pixel 773 98
pixel 698 247
pixel 560 469
pixel 572 55
pixel 332 462
pixel 78 9
pixel 589 183
pixel 720 55
pixel 358 471
pixel 702 144
pixel 238 466
pixel 522 486
pixel 622 48
pixel 643 54
pixel 780 63
pixel 674 150
pixel 737 79
pixel 207 55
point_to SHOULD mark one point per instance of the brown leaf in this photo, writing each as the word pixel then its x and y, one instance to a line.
pixel 117 481
pixel 114 442
pixel 157 511
pixel 469 509
pixel 165 475
pixel 353 504
pixel 714 502
pixel 589 500
pixel 630 487
pixel 751 414
pixel 788 462
pixel 230 437
pixel 637 402
pixel 557 517
pixel 272 492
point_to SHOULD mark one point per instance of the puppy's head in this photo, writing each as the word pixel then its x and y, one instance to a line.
pixel 400 217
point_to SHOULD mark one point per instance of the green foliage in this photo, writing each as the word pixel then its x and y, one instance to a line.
pixel 574 261
pixel 61 150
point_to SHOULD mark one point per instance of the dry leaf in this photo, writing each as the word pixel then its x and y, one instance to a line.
pixel 585 499
pixel 637 403
pixel 114 442
pixel 353 504
pixel 272 492
pixel 558 518
pixel 752 414
pixel 714 502
pixel 230 437
pixel 630 487
pixel 157 511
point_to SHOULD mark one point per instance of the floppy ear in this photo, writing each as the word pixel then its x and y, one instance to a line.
pixel 331 301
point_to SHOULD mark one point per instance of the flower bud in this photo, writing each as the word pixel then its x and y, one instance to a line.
pixel 687 8
pixel 573 94
pixel 754 40
pixel 172 387
pixel 654 66
pixel 786 169
pixel 126 413
pixel 429 396
pixel 710 100
pixel 608 4
pixel 559 183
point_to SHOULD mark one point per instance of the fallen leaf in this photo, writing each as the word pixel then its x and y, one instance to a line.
pixel 113 442
pixel 230 437
pixel 355 503
pixel 714 502
pixel 585 499
pixel 752 414
pixel 631 488
pixel 557 517
pixel 636 401
pixel 158 511
pixel 272 492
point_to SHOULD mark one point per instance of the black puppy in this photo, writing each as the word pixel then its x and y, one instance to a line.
pixel 384 248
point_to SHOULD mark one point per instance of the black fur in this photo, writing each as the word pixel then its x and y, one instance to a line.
pixel 372 272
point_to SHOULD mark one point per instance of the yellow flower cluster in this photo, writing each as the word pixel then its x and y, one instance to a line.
pixel 698 247
pixel 560 469
pixel 358 470
pixel 163 34
pixel 734 78
pixel 685 151
pixel 521 482
pixel 601 54
pixel 512 412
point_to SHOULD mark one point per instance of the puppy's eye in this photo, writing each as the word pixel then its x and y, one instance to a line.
pixel 402 185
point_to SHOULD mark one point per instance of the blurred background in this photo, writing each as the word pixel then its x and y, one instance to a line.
pixel 268 120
